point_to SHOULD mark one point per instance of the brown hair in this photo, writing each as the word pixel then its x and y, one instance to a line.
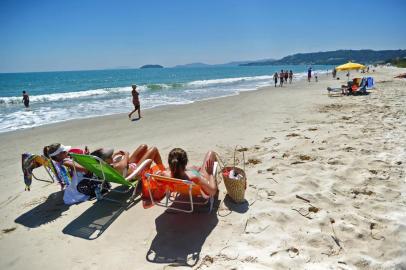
pixel 177 160
pixel 50 149
pixel 103 153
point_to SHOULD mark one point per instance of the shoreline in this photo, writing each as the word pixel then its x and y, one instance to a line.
pixel 298 77
pixel 345 155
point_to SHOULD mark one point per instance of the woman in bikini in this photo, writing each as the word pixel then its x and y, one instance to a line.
pixel 202 176
pixel 125 163
pixel 136 102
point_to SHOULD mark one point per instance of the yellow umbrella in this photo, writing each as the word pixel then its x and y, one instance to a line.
pixel 350 66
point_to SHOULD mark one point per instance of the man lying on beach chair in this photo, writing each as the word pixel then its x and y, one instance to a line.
pixel 176 181
pixel 104 173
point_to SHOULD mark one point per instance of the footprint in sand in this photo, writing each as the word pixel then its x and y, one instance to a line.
pixel 357 192
pixel 266 194
pixel 335 162
pixel 268 139
pixel 349 149
pixel 257 224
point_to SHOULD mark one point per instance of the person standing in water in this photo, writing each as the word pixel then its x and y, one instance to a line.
pixel 136 102
pixel 309 74
pixel 275 78
pixel 281 76
pixel 26 99
pixel 290 76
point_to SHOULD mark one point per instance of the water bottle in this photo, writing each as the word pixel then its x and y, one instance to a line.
pixel 98 193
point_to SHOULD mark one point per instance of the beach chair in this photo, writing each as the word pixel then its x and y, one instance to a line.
pixel 171 189
pixel 103 173
pixel 29 162
pixel 335 91
pixel 361 89
pixel 370 83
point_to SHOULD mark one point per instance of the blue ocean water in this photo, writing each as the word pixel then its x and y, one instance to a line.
pixel 61 96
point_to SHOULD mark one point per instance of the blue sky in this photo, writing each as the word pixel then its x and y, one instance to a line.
pixel 51 35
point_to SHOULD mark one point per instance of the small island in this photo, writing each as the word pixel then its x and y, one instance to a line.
pixel 152 66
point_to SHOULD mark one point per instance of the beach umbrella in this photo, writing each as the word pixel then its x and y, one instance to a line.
pixel 350 66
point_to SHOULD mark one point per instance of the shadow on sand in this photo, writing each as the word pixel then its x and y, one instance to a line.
pixel 236 207
pixel 44 213
pixel 135 119
pixel 180 236
pixel 95 220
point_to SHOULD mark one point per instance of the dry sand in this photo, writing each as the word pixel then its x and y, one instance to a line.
pixel 344 155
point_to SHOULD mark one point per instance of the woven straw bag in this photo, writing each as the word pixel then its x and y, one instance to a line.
pixel 235 188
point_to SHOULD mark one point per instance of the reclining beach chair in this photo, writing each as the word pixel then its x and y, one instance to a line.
pixel 361 89
pixel 103 173
pixel 170 189
pixel 335 91
pixel 29 162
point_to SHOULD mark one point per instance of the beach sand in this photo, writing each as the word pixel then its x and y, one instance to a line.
pixel 326 186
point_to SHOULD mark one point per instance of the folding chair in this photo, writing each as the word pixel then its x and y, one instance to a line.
pixel 172 188
pixel 103 173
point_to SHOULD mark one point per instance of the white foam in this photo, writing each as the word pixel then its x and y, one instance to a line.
pixel 201 83
pixel 66 96
pixel 99 102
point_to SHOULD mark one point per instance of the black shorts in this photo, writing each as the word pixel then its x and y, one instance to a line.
pixel 26 104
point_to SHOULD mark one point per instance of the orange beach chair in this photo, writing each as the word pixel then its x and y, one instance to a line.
pixel 156 188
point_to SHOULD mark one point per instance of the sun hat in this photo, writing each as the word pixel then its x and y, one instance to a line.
pixel 103 153
pixel 61 148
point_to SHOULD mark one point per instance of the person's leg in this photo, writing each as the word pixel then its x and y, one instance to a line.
pixel 138 153
pixel 131 113
pixel 208 161
pixel 207 171
pixel 153 154
pixel 139 111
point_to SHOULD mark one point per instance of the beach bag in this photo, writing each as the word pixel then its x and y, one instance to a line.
pixel 235 179
pixel 88 187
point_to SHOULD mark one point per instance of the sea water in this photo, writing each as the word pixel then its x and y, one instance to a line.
pixel 61 96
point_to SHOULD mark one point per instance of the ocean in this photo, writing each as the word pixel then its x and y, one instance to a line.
pixel 61 96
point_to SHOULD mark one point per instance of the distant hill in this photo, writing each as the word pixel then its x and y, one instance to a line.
pixel 151 66
pixel 334 58
pixel 193 65
pixel 229 64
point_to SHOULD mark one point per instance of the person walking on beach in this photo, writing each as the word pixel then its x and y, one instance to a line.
pixel 26 99
pixel 281 76
pixel 286 76
pixel 136 102
pixel 275 78
pixel 334 73
pixel 290 76
pixel 315 76
pixel 309 74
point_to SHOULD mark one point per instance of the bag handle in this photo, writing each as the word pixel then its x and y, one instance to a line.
pixel 243 155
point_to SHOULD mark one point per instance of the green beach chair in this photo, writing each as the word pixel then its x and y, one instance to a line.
pixel 103 172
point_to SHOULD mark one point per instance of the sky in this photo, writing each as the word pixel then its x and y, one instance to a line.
pixel 52 35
